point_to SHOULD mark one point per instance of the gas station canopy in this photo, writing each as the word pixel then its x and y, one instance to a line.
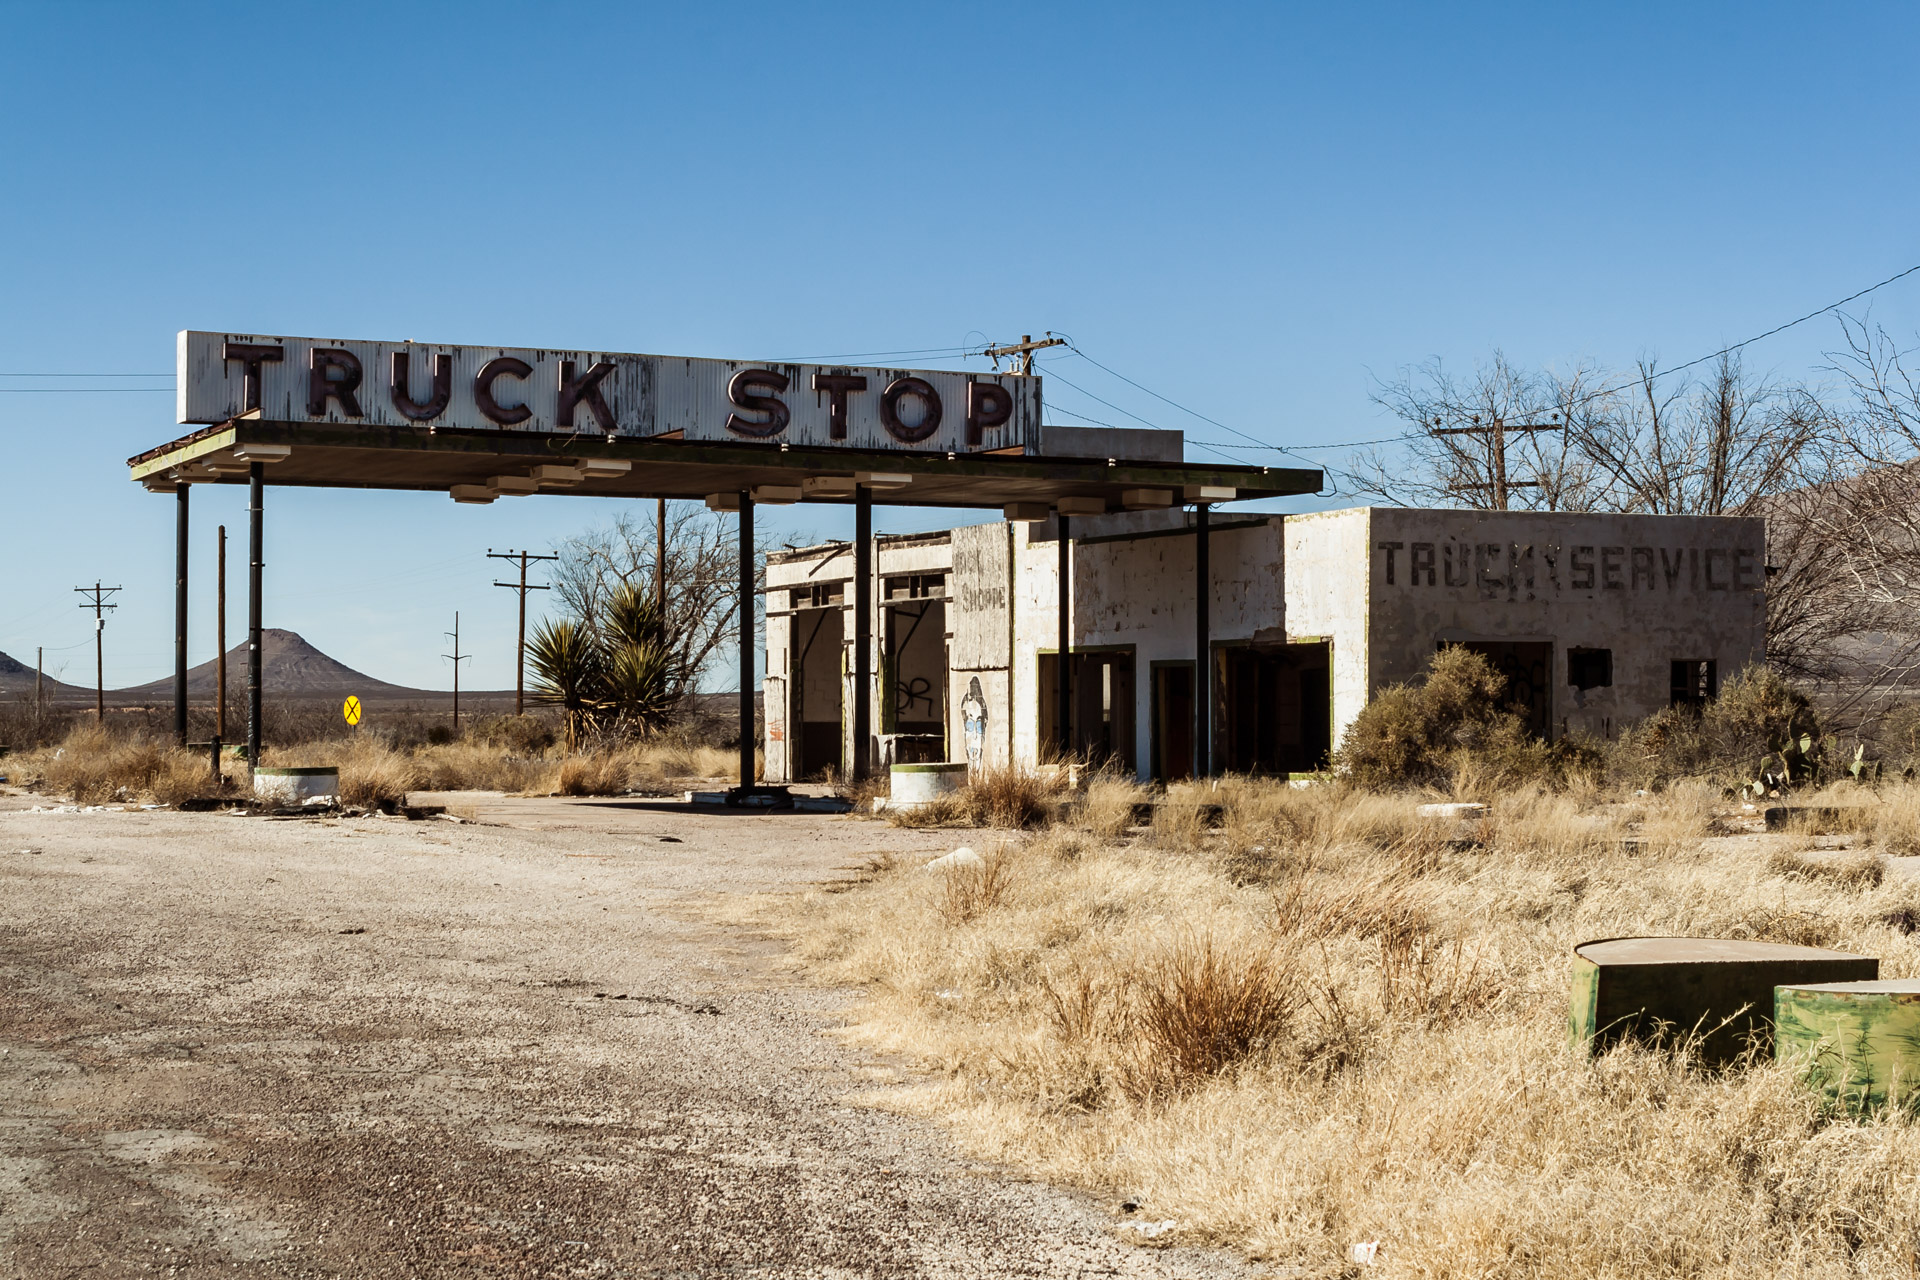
pixel 480 423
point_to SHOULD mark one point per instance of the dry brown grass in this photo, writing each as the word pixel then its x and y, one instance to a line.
pixel 1015 798
pixel 591 775
pixel 1365 1013
pixel 97 767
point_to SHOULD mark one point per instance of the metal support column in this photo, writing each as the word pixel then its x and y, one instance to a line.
pixel 180 617
pixel 746 641
pixel 1202 647
pixel 1063 670
pixel 862 629
pixel 256 488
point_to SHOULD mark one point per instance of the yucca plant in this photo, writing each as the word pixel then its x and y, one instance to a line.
pixel 616 675
pixel 565 656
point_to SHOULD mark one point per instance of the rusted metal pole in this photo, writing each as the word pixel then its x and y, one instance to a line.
pixel 256 491
pixel 660 557
pixel 862 629
pixel 220 641
pixel 1202 645
pixel 180 615
pixel 520 657
pixel 746 640
pixel 1063 667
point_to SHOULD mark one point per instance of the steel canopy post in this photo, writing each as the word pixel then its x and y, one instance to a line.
pixel 1063 670
pixel 1202 646
pixel 746 640
pixel 256 489
pixel 180 617
pixel 862 629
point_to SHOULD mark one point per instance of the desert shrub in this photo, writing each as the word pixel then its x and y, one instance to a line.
pixel 523 735
pixel 592 775
pixel 1413 734
pixel 96 765
pixel 1204 1006
pixel 967 893
pixel 1010 797
pixel 1758 714
pixel 1106 805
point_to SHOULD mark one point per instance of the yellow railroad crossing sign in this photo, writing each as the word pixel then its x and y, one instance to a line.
pixel 351 710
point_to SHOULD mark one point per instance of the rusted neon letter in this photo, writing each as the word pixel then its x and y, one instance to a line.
pixel 898 390
pixel 251 357
pixel 837 385
pixel 741 395
pixel 321 388
pixel 399 387
pixel 584 389
pixel 500 367
pixel 988 405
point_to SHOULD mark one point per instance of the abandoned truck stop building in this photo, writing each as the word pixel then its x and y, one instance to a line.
pixel 1597 621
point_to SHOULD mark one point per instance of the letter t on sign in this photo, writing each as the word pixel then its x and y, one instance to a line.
pixel 837 385
pixel 1391 548
pixel 250 357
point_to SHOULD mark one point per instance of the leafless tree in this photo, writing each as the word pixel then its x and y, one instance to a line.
pixel 702 577
pixel 1495 440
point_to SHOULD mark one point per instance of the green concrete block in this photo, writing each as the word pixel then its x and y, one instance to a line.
pixel 1634 988
pixel 1859 1041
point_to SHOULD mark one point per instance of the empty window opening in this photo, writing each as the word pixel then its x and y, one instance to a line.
pixel 1273 708
pixel 1172 711
pixel 1590 668
pixel 1696 682
pixel 816 692
pixel 913 669
pixel 1101 730
pixel 917 586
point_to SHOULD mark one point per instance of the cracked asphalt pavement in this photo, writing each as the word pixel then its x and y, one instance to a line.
pixel 369 1047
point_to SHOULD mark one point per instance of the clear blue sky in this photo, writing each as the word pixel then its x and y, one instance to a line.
pixel 1253 209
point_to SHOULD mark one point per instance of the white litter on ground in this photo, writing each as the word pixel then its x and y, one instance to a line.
pixel 1150 1229
pixel 961 857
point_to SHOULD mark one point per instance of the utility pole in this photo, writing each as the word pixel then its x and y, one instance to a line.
pixel 1496 438
pixel 1024 349
pixel 220 643
pixel 458 657
pixel 660 558
pixel 523 586
pixel 39 697
pixel 98 604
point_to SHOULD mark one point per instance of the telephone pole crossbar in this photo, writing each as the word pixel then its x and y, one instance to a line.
pixel 458 658
pixel 524 558
pixel 1496 433
pixel 1024 349
pixel 98 603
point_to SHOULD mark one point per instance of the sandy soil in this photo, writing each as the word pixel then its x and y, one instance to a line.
pixel 237 1046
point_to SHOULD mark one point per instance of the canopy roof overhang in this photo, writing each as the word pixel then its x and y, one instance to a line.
pixel 323 455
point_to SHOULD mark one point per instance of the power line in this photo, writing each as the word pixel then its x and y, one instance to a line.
pixel 86 375
pixel 73 391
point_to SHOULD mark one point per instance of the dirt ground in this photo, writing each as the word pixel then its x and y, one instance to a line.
pixel 235 1046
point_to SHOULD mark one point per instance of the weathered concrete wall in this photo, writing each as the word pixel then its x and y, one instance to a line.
pixel 1137 592
pixel 1650 590
pixel 1327 598
pixel 1384 586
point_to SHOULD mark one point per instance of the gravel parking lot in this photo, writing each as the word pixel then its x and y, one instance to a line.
pixel 516 1047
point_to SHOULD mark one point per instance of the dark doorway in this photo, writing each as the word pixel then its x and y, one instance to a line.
pixel 817 691
pixel 1102 692
pixel 1172 721
pixel 913 668
pixel 1274 710
pixel 1528 667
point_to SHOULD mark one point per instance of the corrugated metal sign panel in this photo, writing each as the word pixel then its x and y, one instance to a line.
pixel 399 384
pixel 982 597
